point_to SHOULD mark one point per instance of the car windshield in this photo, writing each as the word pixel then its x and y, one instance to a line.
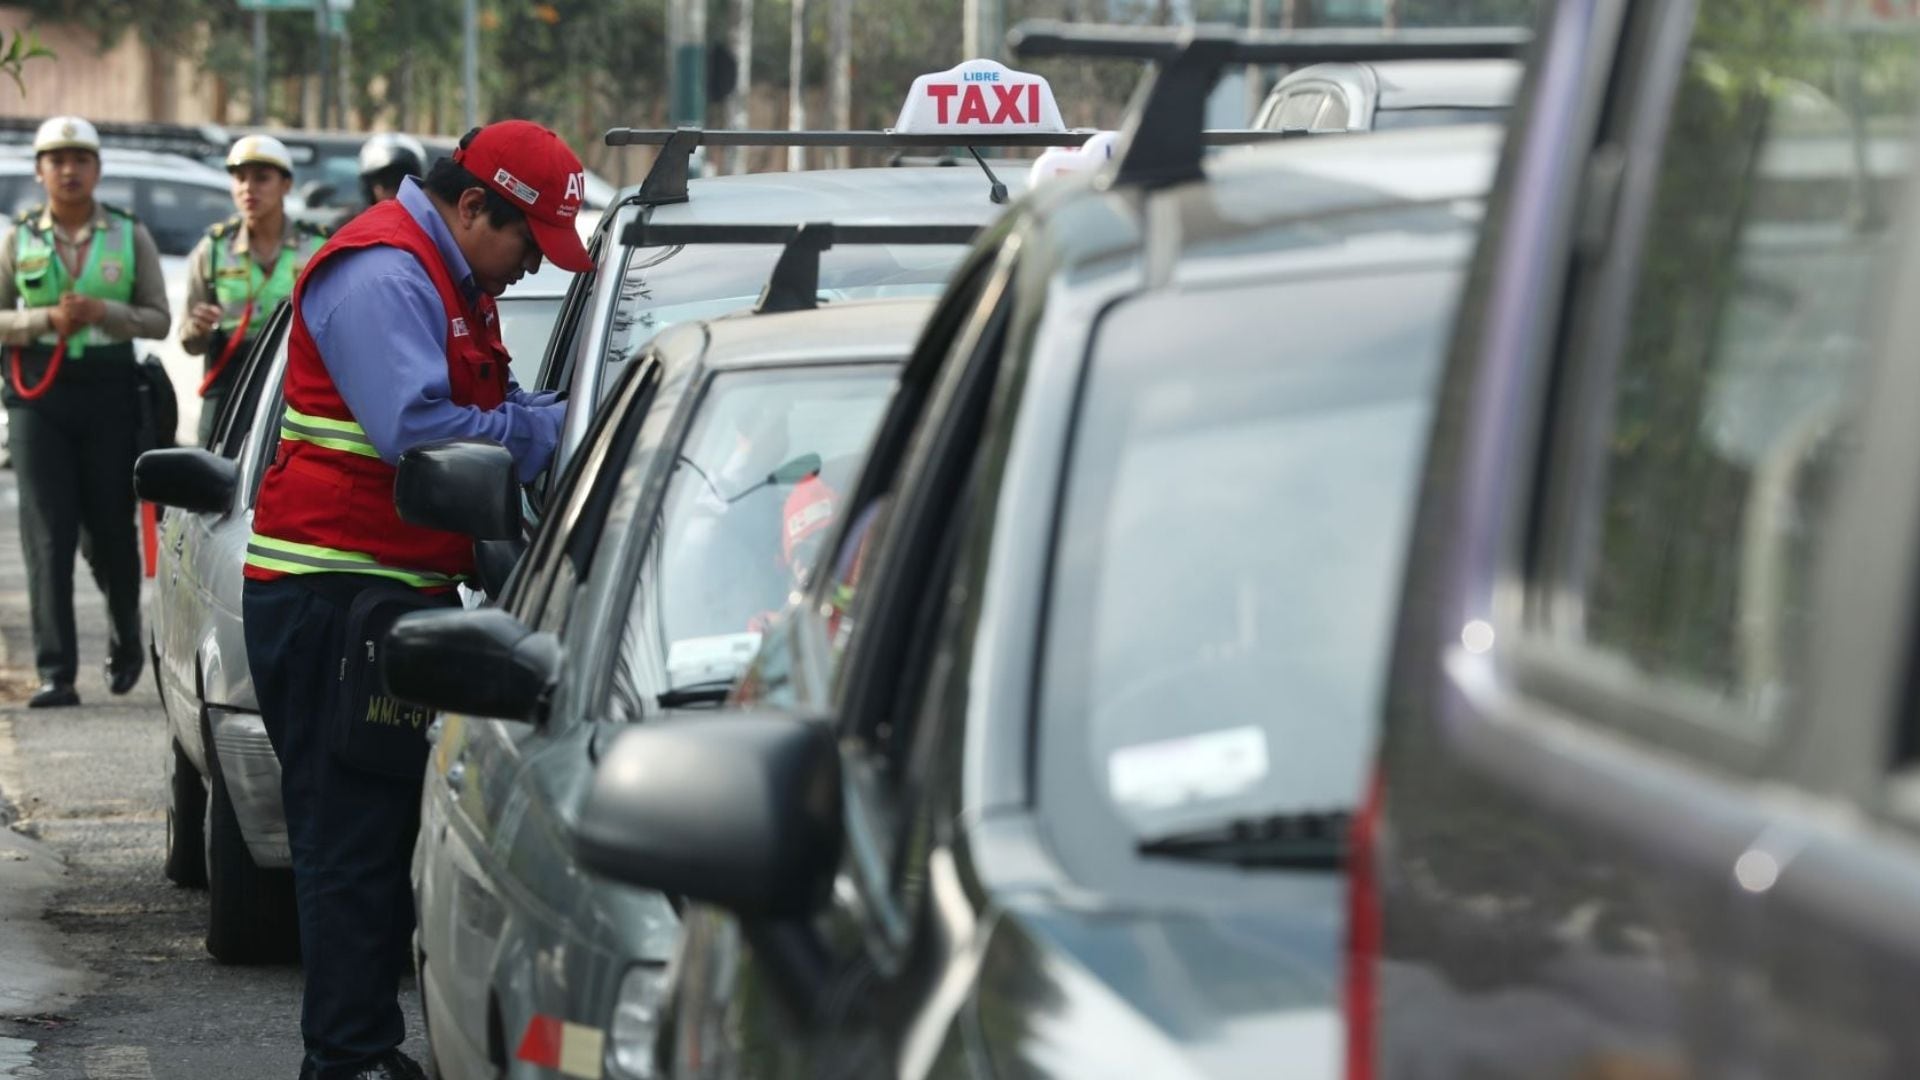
pixel 1230 548
pixel 666 286
pixel 1390 119
pixel 525 322
pixel 176 212
pixel 755 489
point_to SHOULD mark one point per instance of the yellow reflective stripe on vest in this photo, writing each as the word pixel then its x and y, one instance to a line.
pixel 289 557
pixel 343 435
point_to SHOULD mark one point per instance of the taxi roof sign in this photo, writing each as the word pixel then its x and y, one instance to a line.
pixel 795 283
pixel 1072 161
pixel 979 97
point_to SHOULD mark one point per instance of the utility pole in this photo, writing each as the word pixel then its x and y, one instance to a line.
pixel 796 83
pixel 258 111
pixel 343 79
pixel 840 72
pixel 324 91
pixel 1256 18
pixel 470 66
pixel 984 34
pixel 739 117
pixel 1390 15
pixel 687 60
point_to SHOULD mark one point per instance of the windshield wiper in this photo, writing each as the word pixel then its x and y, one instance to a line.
pixel 1300 841
pixel 711 692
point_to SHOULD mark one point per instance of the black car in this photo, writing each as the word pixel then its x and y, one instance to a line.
pixel 1046 772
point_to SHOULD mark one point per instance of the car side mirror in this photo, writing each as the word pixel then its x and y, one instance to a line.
pixel 316 193
pixel 483 662
pixel 741 811
pixel 188 478
pixel 463 486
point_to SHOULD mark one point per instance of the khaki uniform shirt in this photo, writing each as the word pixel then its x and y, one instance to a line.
pixel 237 247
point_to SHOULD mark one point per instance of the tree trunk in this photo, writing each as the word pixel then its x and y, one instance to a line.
pixel 796 83
pixel 840 68
pixel 740 117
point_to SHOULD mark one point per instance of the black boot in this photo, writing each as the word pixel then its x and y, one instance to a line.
pixel 52 695
pixel 122 675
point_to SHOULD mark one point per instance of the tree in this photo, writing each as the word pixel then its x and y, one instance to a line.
pixel 24 46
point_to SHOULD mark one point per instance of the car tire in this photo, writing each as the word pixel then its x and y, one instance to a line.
pixel 186 821
pixel 251 917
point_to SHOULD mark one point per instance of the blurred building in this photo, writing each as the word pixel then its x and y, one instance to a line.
pixel 130 80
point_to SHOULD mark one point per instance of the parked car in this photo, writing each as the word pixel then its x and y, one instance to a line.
pixel 1043 772
pixel 710 476
pixel 1645 798
pixel 1386 95
pixel 226 827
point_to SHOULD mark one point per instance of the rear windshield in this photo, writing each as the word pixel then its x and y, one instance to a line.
pixel 1234 521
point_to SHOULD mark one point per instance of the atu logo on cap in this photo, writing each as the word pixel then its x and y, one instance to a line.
pixel 979 96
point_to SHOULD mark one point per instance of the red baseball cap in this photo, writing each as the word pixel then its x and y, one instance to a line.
pixel 532 168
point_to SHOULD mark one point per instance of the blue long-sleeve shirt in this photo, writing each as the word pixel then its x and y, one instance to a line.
pixel 382 334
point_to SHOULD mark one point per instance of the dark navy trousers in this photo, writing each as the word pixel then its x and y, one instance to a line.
pixel 352 832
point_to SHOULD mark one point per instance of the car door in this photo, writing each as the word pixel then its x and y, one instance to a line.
pixel 475 799
pixel 862 646
pixel 1584 803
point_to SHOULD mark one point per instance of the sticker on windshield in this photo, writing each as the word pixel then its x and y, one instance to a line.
pixel 1193 768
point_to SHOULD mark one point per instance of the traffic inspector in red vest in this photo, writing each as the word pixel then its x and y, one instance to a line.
pixel 395 343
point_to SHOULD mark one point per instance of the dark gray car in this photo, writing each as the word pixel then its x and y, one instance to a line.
pixel 1646 804
pixel 1041 775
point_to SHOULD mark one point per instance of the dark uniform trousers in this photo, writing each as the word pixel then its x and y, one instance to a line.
pixel 73 451
pixel 351 832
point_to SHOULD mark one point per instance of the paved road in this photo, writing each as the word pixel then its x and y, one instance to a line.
pixel 102 972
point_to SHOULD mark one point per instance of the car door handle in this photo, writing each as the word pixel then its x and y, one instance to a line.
pixel 457 776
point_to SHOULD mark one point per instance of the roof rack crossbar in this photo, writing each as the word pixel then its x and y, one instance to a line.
pixel 795 283
pixel 1046 38
pixel 1162 142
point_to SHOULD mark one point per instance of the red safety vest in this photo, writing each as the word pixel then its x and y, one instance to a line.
pixel 326 505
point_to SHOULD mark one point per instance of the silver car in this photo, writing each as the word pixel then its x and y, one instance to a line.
pixel 1388 95
pixel 693 509
pixel 225 824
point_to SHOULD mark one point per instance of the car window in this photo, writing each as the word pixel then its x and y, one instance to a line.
pixel 757 485
pixel 1333 114
pixel 1393 119
pixel 663 287
pixel 1231 539
pixel 525 323
pixel 544 585
pixel 1728 401
pixel 1297 110
pixel 238 413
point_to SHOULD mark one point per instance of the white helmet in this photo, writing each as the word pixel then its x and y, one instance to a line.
pixel 393 150
pixel 66 133
pixel 260 150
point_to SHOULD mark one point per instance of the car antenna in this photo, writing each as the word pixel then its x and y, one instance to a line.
pixel 997 192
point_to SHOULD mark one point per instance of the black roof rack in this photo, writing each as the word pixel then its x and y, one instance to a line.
pixel 666 181
pixel 1162 141
pixel 795 284
pixel 201 142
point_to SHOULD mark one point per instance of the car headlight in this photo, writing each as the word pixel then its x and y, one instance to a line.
pixel 636 1019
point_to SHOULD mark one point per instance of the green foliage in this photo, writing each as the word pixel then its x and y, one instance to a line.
pixel 24 46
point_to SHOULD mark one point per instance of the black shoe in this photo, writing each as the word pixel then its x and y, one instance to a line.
pixel 395 1066
pixel 53 695
pixel 122 675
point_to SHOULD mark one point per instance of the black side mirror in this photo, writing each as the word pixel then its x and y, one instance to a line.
pixel 493 564
pixel 188 478
pixel 741 811
pixel 483 662
pixel 460 485
pixel 316 193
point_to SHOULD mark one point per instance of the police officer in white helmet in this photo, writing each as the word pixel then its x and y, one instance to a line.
pixel 243 267
pixel 387 159
pixel 79 280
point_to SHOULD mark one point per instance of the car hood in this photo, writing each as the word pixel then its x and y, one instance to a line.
pixel 1203 993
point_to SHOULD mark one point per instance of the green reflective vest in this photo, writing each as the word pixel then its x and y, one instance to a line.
pixel 42 278
pixel 238 280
